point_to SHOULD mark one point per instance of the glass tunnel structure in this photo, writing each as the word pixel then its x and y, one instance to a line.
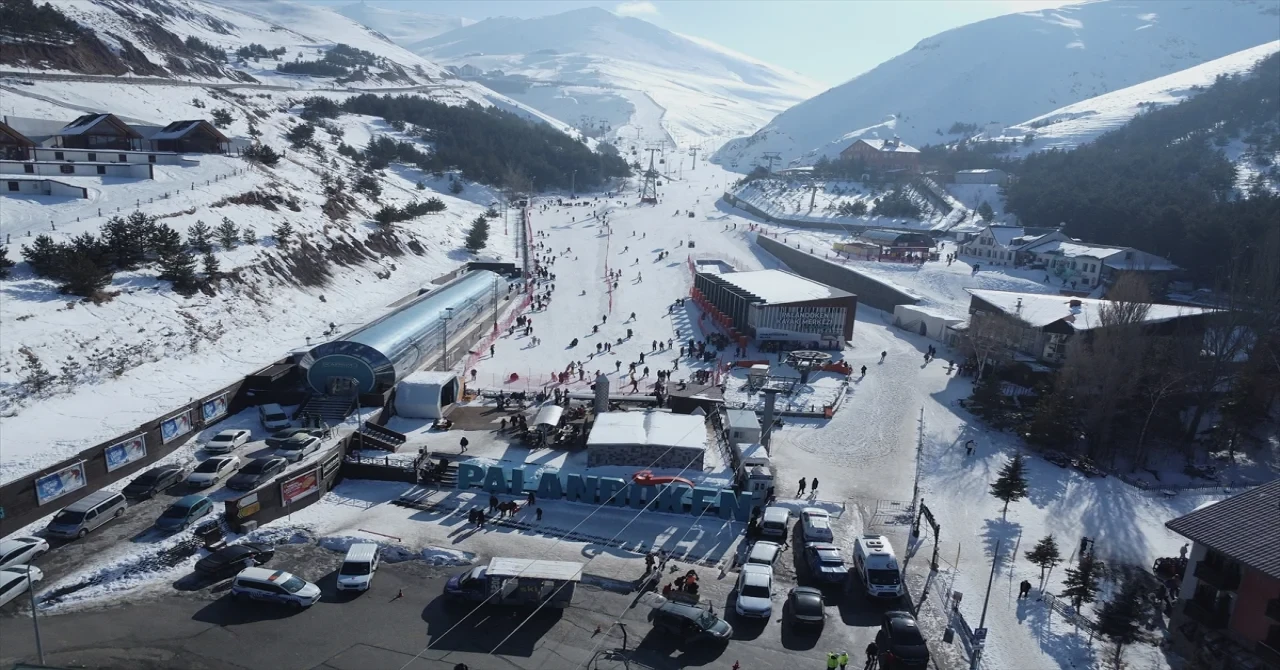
pixel 381 353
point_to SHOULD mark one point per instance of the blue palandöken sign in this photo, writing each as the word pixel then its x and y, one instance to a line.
pixel 669 498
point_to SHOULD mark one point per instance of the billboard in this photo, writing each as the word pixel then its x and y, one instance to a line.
pixel 123 453
pixel 60 483
pixel 175 427
pixel 299 487
pixel 214 408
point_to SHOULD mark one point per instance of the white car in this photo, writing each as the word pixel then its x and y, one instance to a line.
pixel 226 441
pixel 754 592
pixel 275 586
pixel 13 581
pixel 817 525
pixel 212 470
pixel 21 550
pixel 299 447
pixel 763 552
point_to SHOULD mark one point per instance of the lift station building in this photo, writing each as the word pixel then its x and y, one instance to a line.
pixel 774 305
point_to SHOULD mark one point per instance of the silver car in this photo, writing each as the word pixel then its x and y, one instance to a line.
pixel 212 470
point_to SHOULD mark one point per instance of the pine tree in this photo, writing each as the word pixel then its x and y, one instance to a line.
pixel 44 256
pixel 180 268
pixel 35 376
pixel 985 211
pixel 166 242
pixel 249 236
pixel 1011 484
pixel 227 234
pixel 1082 581
pixel 6 265
pixel 1045 555
pixel 211 267
pixel 122 243
pixel 1053 421
pixel 1119 618
pixel 82 274
pixel 199 236
pixel 141 230
pixel 456 187
pixel 478 236
pixel 282 232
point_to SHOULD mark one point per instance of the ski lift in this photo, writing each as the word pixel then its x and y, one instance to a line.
pixel 662 161
pixel 659 183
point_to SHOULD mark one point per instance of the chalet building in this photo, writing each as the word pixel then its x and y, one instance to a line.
pixel 192 136
pixel 998 245
pixel 99 131
pixel 1036 327
pixel 898 245
pixel 1084 265
pixel 1228 610
pixel 884 155
pixel 14 146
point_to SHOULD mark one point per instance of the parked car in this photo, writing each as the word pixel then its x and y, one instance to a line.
pixel 186 511
pixel 824 561
pixel 763 552
pixel 257 472
pixel 233 558
pixel 816 524
pixel 277 438
pixel 21 550
pixel 272 416
pixel 773 523
pixel 900 642
pixel 226 441
pixel 358 568
pixel 153 481
pixel 87 514
pixel 275 586
pixel 299 447
pixel 212 470
pixel 687 623
pixel 754 592
pixel 805 607
pixel 14 581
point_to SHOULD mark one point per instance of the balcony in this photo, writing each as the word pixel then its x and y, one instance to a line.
pixel 1221 578
pixel 1209 618
pixel 1273 609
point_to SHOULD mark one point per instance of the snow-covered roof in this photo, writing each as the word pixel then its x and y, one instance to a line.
pixel 743 418
pixel 926 311
pixel 84 123
pixel 179 129
pixel 1140 260
pixel 1074 249
pixel 564 571
pixel 1006 234
pixel 1038 310
pixel 662 429
pixel 430 377
pixel 891 146
pixel 980 171
pixel 778 286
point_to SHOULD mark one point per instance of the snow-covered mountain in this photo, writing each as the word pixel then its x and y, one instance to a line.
pixel 1004 70
pixel 610 74
pixel 402 26
pixel 1081 122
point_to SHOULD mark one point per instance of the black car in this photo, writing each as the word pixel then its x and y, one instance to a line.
pixel 233 558
pixel 804 607
pixel 279 437
pixel 900 642
pixel 686 623
pixel 154 481
pixel 257 472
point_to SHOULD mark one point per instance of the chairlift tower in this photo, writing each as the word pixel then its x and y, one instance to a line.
pixel 771 156
pixel 649 189
pixel 694 152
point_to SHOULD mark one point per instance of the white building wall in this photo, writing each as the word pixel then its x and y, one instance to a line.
pixel 56 169
pixel 41 187
pixel 161 157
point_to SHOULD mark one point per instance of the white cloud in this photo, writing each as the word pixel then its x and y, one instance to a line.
pixel 636 8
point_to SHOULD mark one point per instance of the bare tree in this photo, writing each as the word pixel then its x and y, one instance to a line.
pixel 989 334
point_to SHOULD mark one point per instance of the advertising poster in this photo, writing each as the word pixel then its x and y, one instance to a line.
pixel 123 453
pixel 60 483
pixel 300 487
pixel 213 408
pixel 247 505
pixel 175 427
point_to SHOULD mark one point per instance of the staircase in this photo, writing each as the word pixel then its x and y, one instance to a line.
pixel 373 436
pixel 331 409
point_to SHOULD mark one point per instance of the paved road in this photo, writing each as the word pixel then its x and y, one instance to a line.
pixel 198 627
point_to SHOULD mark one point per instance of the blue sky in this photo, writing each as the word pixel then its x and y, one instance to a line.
pixel 829 41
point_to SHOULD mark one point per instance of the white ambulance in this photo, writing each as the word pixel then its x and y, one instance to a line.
pixel 876 567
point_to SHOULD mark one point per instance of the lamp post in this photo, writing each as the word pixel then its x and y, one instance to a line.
pixel 31 591
pixel 444 355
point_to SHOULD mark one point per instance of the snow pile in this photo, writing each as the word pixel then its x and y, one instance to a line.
pixel 1007 69
pixel 699 90
pixel 398 553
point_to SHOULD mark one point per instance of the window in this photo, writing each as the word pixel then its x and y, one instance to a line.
pixel 67 169
pixel 151 158
pixel 29 168
pixel 58 155
pixel 92 157
pixel 124 158
pixel 13 186
pixel 102 169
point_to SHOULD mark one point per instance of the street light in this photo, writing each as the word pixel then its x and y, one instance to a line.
pixel 444 355
pixel 31 591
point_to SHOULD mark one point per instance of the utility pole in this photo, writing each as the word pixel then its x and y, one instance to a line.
pixel 813 197
pixel 915 487
pixel 35 621
pixel 982 621
pixel 694 152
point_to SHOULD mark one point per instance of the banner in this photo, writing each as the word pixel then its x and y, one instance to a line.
pixel 123 453
pixel 60 483
pixel 213 408
pixel 247 505
pixel 175 427
pixel 299 487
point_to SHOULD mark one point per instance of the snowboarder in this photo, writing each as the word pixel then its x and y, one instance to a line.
pixel 800 491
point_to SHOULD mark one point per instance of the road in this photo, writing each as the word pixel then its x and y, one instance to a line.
pixel 198 627
pixel 161 81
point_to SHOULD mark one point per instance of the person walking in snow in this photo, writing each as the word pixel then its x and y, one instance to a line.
pixel 882 355
pixel 968 448
pixel 1024 590
pixel 800 491
pixel 864 371
pixel 813 487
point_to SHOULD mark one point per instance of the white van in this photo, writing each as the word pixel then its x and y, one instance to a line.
pixel 773 522
pixel 358 567
pixel 877 567
pixel 273 417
